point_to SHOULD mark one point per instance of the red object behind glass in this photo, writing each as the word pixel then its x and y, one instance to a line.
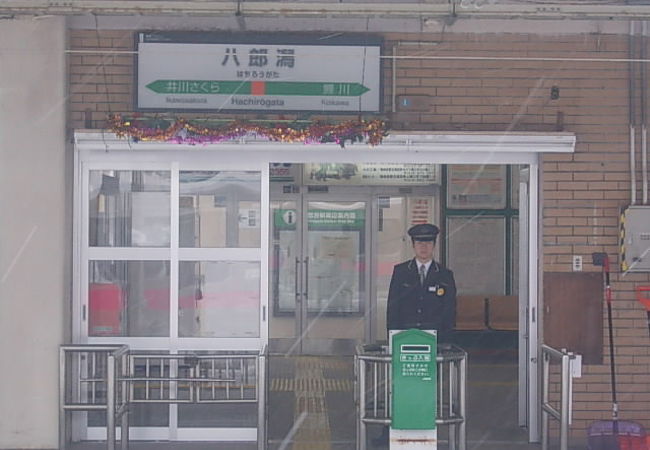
pixel 105 304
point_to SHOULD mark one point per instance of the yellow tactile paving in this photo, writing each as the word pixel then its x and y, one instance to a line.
pixel 309 389
pixel 328 385
pixel 309 386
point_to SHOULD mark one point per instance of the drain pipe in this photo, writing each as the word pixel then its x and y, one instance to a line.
pixel 632 115
pixel 644 116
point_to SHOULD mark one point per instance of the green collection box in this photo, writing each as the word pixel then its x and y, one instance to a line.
pixel 414 380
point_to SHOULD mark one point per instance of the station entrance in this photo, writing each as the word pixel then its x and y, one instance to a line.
pixel 240 247
pixel 336 231
pixel 333 246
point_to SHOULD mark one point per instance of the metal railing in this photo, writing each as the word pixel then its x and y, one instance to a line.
pixel 373 400
pixel 563 415
pixel 193 378
pixel 92 378
pixel 110 378
pixel 201 377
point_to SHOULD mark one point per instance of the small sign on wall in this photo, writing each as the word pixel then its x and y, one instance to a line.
pixel 413 103
pixel 279 72
pixel 249 218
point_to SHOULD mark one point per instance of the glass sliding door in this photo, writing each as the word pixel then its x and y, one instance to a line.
pixel 286 263
pixel 318 274
pixel 128 210
pixel 335 278
pixel 218 296
pixel 332 258
pixel 171 263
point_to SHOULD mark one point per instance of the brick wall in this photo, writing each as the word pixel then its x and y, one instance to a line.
pixel 582 192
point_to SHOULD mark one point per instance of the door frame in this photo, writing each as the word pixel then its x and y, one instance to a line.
pixel 440 148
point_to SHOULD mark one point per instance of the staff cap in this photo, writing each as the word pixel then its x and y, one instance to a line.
pixel 423 232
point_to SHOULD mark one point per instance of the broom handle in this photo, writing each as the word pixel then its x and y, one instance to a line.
pixel 611 359
pixel 612 364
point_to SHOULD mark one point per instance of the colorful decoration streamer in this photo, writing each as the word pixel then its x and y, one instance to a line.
pixel 183 131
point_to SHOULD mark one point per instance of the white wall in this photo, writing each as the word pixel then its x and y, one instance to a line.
pixel 34 230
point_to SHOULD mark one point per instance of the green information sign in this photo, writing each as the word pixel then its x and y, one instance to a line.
pixel 285 219
pixel 414 389
pixel 217 87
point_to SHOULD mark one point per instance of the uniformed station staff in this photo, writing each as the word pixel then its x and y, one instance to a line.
pixel 422 293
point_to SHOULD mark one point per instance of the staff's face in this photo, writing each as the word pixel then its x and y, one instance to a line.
pixel 423 250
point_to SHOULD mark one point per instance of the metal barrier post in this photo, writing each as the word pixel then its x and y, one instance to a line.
pixel 63 428
pixel 452 361
pixel 563 415
pixel 564 422
pixel 70 402
pixel 113 368
pixel 124 403
pixel 462 407
pixel 388 399
pixel 361 443
pixel 110 401
pixel 545 377
pixel 453 385
pixel 261 400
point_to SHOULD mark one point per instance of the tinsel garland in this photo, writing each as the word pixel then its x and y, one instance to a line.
pixel 183 131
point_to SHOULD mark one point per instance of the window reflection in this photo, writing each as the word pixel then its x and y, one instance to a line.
pixel 219 299
pixel 129 208
pixel 477 254
pixel 220 209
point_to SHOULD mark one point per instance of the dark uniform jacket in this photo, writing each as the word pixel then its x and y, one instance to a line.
pixel 428 307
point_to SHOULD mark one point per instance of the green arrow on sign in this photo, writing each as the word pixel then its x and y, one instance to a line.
pixel 211 87
pixel 313 88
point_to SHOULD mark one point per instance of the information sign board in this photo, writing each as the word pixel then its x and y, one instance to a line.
pixel 257 72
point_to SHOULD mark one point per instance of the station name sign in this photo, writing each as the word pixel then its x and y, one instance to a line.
pixel 276 72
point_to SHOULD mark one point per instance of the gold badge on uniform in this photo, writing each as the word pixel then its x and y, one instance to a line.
pixel 440 292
